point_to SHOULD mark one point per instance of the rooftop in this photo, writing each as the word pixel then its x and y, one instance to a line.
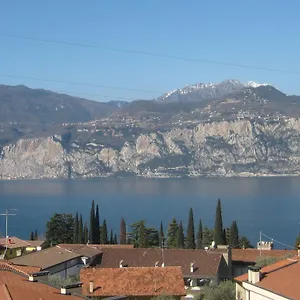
pixel 35 243
pixel 17 287
pixel 45 258
pixel 206 263
pixel 280 278
pixel 251 255
pixel 81 249
pixel 13 243
pixel 151 281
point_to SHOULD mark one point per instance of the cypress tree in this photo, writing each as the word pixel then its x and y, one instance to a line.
pixel 225 236
pixel 97 226
pixel 219 233
pixel 122 232
pixel 80 231
pixel 180 236
pixel 207 237
pixel 161 235
pixel 111 240
pixel 234 235
pixel 92 224
pixel 103 235
pixel 85 234
pixel 190 236
pixel 76 230
pixel 199 244
pixel 115 239
pixel 142 239
pixel 172 231
pixel 36 237
pixel 31 238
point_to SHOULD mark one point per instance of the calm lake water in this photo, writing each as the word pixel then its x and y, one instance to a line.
pixel 270 205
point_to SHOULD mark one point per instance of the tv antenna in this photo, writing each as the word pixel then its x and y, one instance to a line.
pixel 6 214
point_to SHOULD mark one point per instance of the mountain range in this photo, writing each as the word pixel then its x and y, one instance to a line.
pixel 214 129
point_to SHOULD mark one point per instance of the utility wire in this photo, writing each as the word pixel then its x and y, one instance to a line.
pixel 131 51
pixel 278 242
pixel 79 83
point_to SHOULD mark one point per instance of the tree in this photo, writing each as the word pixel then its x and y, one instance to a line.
pixel 208 236
pixel 225 236
pixel 244 243
pixel 111 239
pixel 172 231
pixel 190 235
pixel 60 229
pixel 80 231
pixel 115 239
pixel 31 238
pixel 199 240
pixel 36 237
pixel 152 237
pixel 122 232
pixel 85 234
pixel 219 233
pixel 297 242
pixel 224 291
pixel 97 226
pixel 234 236
pixel 142 238
pixel 76 230
pixel 92 224
pixel 103 233
pixel 180 236
pixel 161 235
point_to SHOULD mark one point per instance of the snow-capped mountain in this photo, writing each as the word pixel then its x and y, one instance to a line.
pixel 255 84
pixel 206 91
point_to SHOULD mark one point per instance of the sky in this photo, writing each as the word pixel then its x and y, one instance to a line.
pixel 260 33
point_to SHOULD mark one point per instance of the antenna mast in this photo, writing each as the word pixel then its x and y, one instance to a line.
pixel 6 214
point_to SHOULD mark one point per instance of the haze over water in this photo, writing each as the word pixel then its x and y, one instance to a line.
pixel 270 205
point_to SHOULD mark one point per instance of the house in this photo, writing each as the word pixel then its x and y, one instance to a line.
pixel 242 258
pixel 198 266
pixel 58 261
pixel 34 245
pixel 15 247
pixel 134 283
pixel 278 281
pixel 16 284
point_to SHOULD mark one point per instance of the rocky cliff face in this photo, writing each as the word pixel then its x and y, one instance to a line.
pixel 238 148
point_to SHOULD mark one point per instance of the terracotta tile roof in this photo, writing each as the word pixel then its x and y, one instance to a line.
pixel 13 242
pixel 25 270
pixel 206 263
pixel 280 278
pixel 82 249
pixel 17 287
pixel 251 255
pixel 45 258
pixel 152 281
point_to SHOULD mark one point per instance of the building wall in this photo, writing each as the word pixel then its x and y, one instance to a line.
pixel 12 253
pixel 239 269
pixel 69 268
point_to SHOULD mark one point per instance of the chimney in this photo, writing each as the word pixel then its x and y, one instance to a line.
pixel 39 276
pixel 254 274
pixel 156 264
pixel 67 289
pixel 192 267
pixel 121 264
pixel 91 287
pixel 162 265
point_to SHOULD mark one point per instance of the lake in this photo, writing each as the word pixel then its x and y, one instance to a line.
pixel 270 205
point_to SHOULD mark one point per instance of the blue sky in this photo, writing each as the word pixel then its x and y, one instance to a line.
pixel 264 33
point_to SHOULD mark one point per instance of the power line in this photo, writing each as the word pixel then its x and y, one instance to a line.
pixel 79 83
pixel 278 242
pixel 131 51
